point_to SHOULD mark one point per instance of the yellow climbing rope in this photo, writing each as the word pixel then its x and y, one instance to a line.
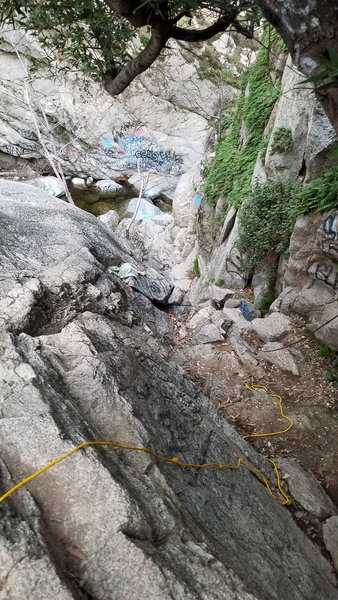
pixel 255 387
pixel 175 460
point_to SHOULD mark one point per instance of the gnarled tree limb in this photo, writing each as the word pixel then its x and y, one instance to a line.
pixel 114 85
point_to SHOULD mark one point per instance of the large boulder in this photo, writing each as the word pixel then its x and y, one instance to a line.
pixel 82 360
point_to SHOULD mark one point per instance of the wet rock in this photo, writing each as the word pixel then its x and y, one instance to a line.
pixel 207 334
pixel 330 534
pixel 79 183
pixel 219 295
pixel 108 188
pixel 271 327
pixel 110 218
pixel 281 357
pixel 146 210
pixel 306 490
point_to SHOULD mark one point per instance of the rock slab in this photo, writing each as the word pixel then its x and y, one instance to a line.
pixel 83 360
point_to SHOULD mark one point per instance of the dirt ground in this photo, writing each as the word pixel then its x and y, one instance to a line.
pixel 308 399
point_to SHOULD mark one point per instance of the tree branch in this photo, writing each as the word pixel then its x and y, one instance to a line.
pixel 116 85
pixel 193 35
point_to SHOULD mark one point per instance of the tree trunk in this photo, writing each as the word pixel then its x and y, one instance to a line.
pixel 308 28
pixel 116 85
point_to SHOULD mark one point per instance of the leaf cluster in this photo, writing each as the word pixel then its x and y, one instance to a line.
pixel 321 195
pixel 75 35
pixel 282 140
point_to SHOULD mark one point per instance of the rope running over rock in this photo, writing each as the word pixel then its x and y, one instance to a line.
pixel 176 461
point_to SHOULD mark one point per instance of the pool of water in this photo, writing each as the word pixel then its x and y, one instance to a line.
pixel 98 203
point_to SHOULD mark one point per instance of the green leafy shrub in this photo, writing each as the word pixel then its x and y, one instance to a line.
pixel 320 195
pixel 282 140
pixel 266 220
pixel 196 268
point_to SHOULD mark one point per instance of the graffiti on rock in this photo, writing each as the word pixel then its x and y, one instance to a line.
pixel 133 146
pixel 149 287
pixel 329 241
pixel 16 150
pixel 327 274
pixel 28 134
pixel 234 262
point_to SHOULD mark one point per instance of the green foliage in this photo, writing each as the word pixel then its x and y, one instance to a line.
pixel 326 74
pixel 74 35
pixel 233 166
pixel 144 39
pixel 265 302
pixel 282 140
pixel 271 38
pixel 210 67
pixel 264 147
pixel 267 219
pixel 91 37
pixel 196 268
pixel 324 351
pixel 321 194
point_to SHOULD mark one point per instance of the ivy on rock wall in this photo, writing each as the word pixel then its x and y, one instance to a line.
pixel 270 211
pixel 266 220
pixel 321 194
pixel 231 171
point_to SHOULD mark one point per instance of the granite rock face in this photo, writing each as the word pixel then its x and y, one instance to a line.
pixel 312 268
pixel 84 358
